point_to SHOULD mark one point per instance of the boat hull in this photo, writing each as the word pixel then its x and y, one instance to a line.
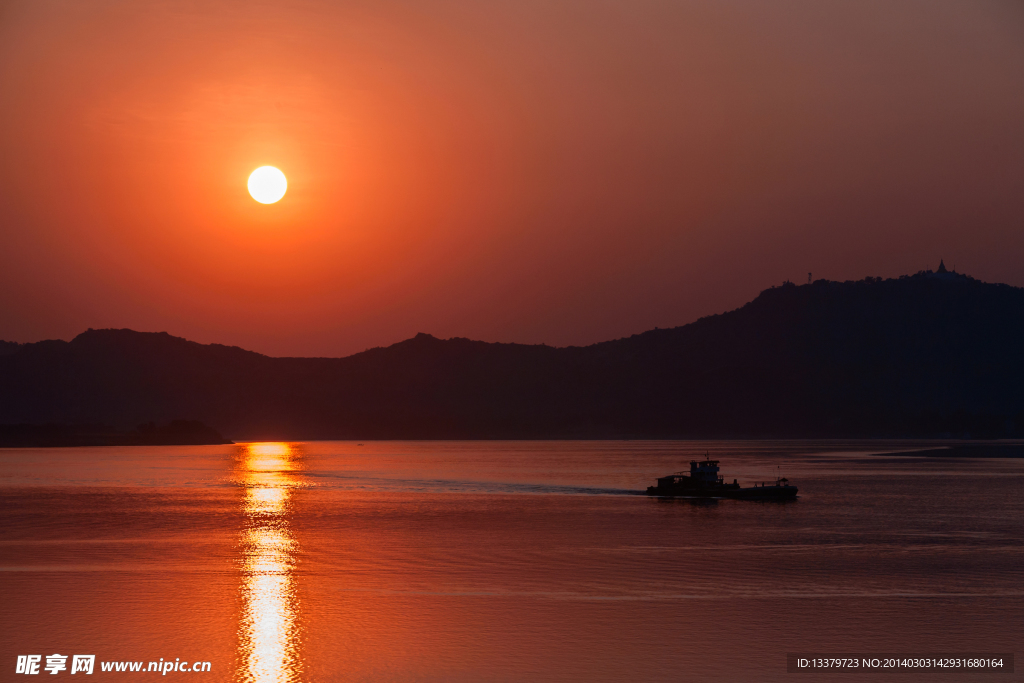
pixel 750 493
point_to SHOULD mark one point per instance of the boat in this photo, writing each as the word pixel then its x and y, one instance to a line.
pixel 704 481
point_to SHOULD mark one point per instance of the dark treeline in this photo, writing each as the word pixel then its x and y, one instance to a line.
pixel 934 354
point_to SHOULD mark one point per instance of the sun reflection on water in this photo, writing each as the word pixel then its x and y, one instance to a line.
pixel 268 633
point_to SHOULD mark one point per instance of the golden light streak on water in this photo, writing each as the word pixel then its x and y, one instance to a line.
pixel 268 633
pixel 277 451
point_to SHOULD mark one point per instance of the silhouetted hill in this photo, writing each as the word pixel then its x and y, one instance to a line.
pixel 175 433
pixel 929 354
pixel 7 347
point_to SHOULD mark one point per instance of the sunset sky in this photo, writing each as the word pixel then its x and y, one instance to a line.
pixel 551 171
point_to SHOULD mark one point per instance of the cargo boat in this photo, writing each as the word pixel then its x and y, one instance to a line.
pixel 704 481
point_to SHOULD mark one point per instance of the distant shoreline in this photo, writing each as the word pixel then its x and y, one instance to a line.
pixel 185 433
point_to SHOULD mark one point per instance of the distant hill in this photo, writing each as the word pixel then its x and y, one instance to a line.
pixel 933 354
pixel 175 433
pixel 7 347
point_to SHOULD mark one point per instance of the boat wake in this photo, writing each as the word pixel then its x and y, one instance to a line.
pixel 346 481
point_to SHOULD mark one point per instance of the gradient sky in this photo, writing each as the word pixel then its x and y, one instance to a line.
pixel 513 170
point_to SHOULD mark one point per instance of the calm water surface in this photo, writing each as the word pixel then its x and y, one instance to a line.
pixel 503 561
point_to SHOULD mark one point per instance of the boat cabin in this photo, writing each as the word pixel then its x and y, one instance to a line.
pixel 705 472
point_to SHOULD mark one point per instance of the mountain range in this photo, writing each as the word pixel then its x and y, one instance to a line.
pixel 932 354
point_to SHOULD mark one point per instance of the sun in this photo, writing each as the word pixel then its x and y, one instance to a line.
pixel 267 185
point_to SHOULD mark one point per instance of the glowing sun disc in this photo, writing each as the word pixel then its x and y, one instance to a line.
pixel 267 185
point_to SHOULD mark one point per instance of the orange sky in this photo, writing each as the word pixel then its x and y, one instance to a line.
pixel 527 170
